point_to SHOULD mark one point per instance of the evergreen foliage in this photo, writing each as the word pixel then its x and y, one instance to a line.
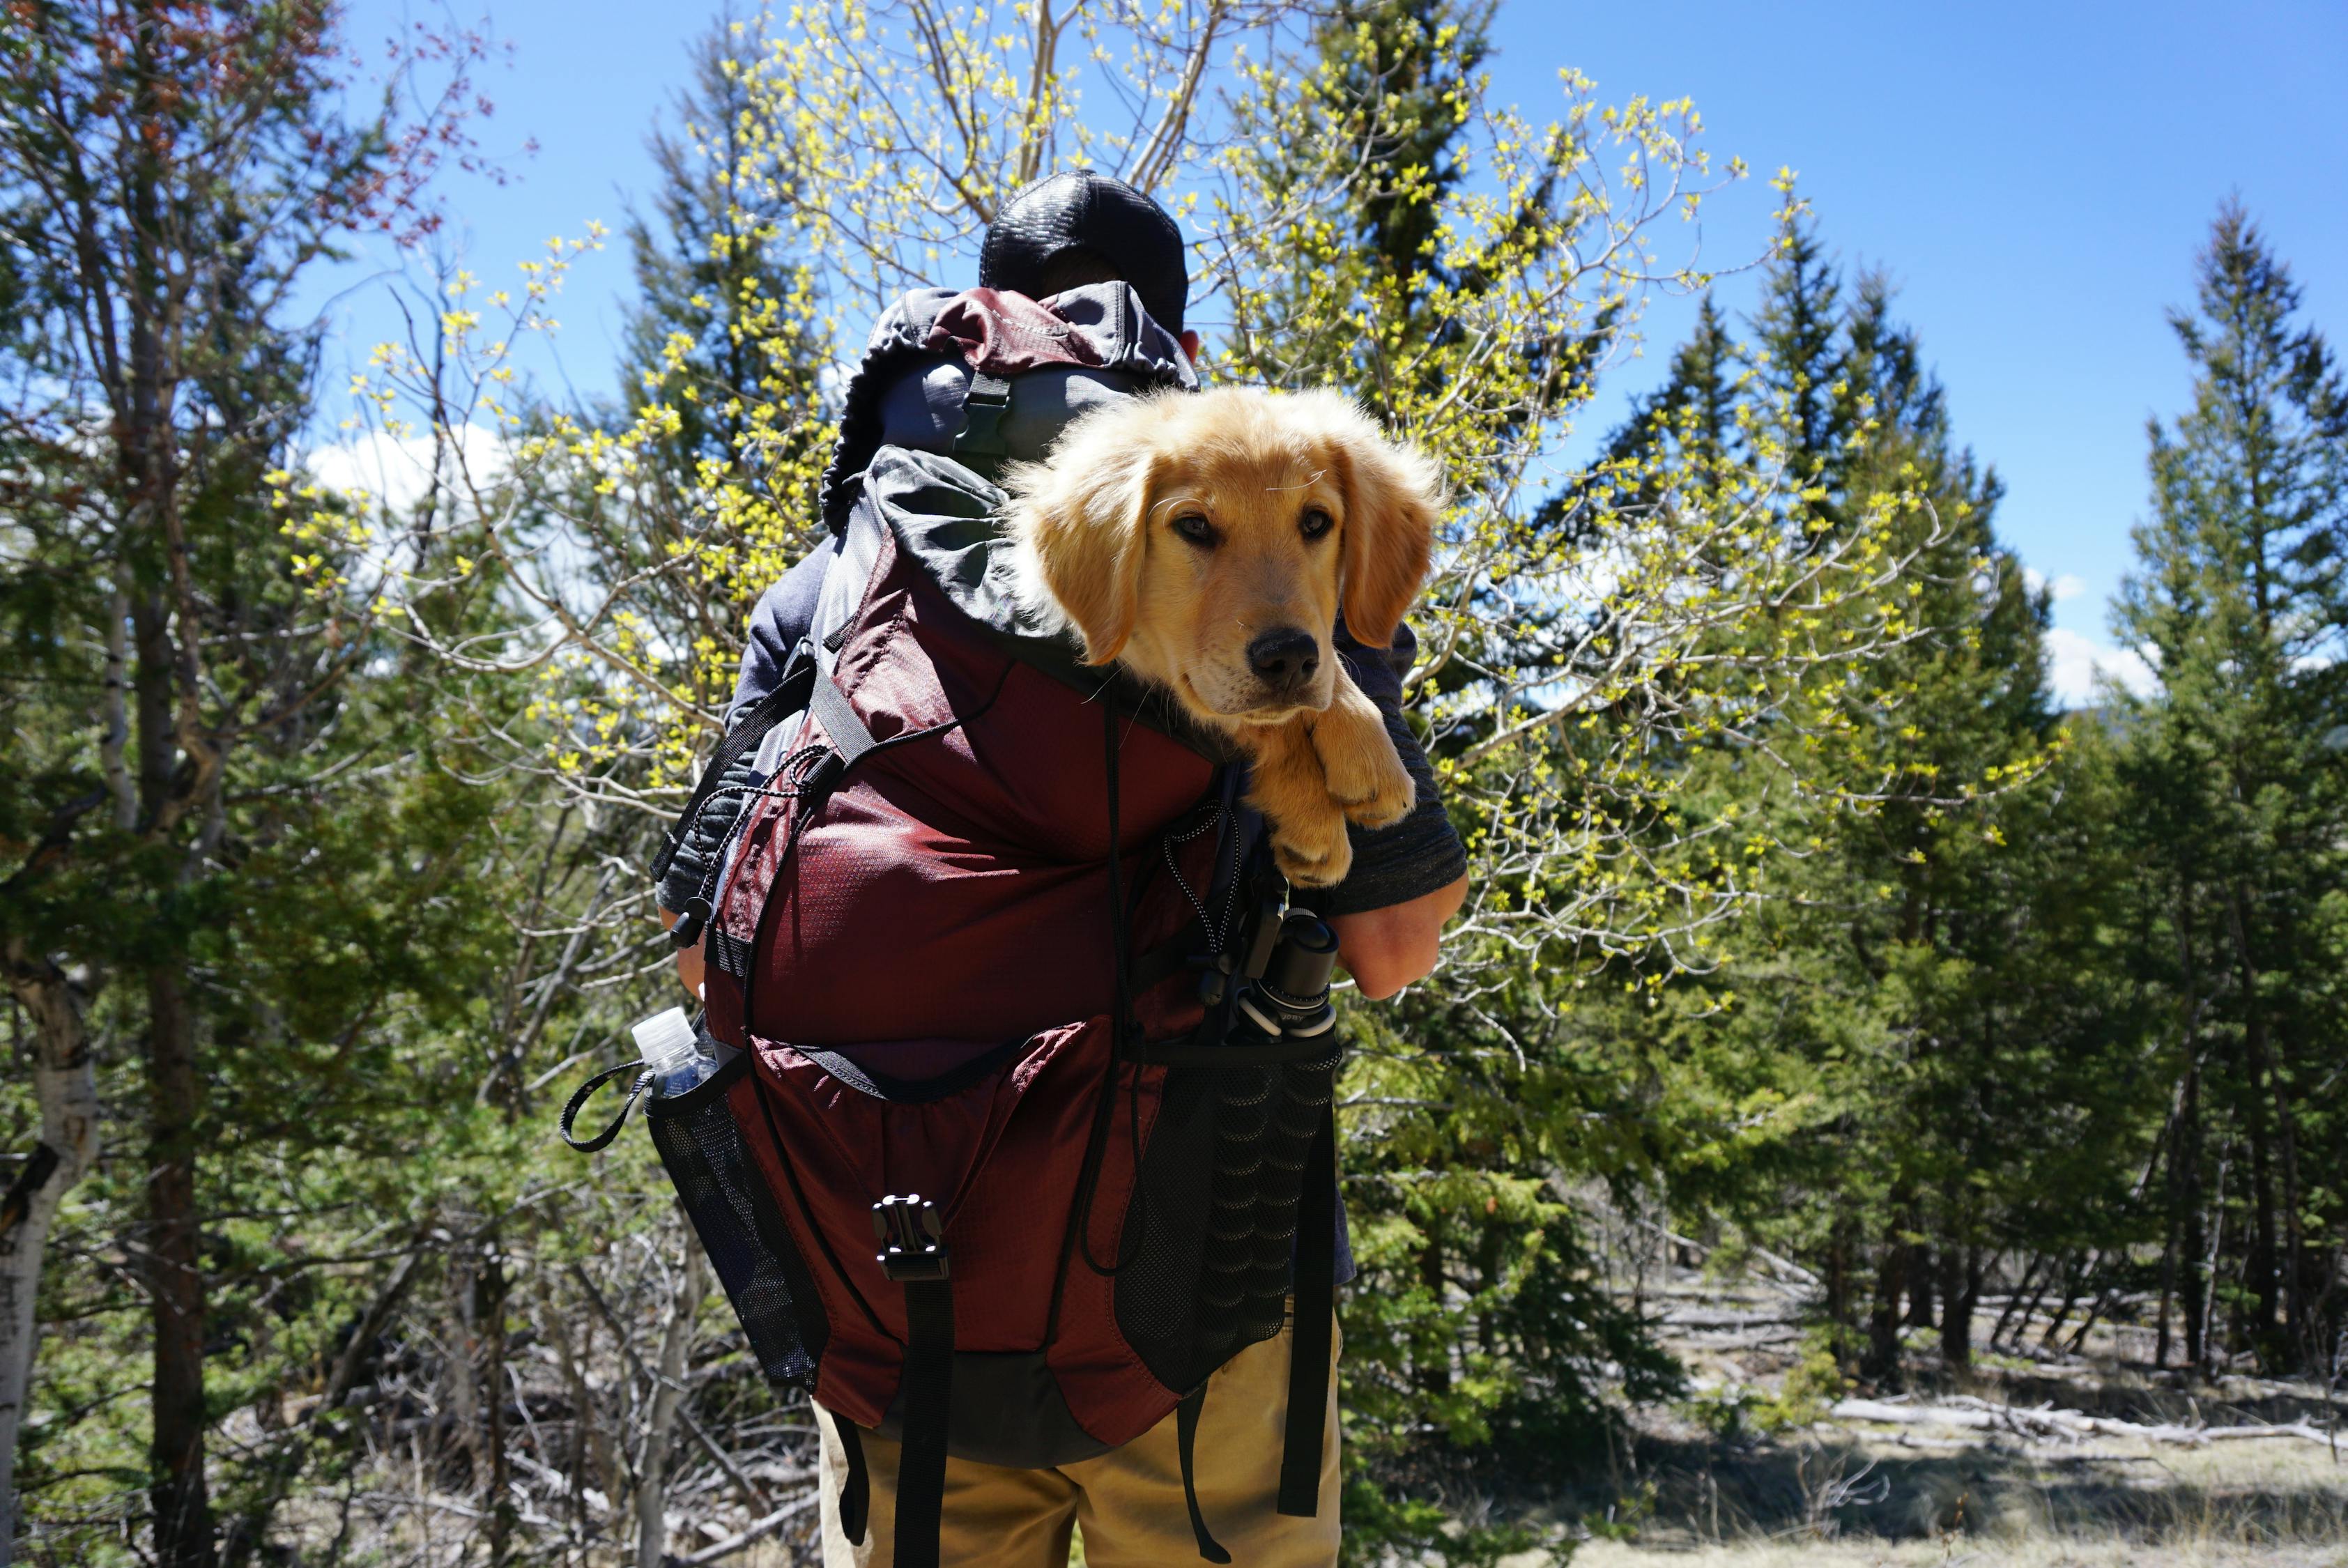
pixel 2236 762
pixel 1805 928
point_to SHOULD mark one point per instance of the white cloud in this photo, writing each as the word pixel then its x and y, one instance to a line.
pixel 395 470
pixel 2066 586
pixel 2075 661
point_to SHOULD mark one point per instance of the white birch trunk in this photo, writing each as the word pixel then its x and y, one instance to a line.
pixel 66 1086
pixel 676 1345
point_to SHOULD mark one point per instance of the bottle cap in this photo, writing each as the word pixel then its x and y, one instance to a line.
pixel 665 1040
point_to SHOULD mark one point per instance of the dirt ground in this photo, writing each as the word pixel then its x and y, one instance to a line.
pixel 1746 1474
pixel 2027 1554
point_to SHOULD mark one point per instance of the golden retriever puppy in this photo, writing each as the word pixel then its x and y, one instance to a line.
pixel 1206 542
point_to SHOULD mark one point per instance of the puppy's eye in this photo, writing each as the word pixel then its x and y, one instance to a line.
pixel 1315 523
pixel 1195 528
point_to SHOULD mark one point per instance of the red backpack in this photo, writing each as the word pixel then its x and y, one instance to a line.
pixel 1028 1125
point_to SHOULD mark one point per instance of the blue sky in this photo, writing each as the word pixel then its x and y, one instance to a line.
pixel 2035 178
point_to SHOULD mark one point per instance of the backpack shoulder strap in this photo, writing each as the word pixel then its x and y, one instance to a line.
pixel 790 695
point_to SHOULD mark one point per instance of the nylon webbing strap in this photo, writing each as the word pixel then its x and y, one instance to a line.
pixel 1308 1347
pixel 789 695
pixel 1185 1438
pixel 579 1101
pixel 929 1398
pixel 982 409
pixel 727 951
pixel 849 741
pixel 1204 1047
pixel 856 1486
pixel 832 710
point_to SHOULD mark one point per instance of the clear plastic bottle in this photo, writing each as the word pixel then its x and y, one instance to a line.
pixel 672 1051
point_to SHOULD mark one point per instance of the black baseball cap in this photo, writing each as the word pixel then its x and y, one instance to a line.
pixel 1084 217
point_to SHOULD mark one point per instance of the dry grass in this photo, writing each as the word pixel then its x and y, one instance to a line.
pixel 1937 1555
pixel 1832 1499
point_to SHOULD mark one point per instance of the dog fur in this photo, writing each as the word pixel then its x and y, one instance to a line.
pixel 1200 540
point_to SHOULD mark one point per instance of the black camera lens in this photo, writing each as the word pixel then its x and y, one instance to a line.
pixel 1301 964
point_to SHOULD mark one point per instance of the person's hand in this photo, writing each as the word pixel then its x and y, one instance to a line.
pixel 1387 949
pixel 688 959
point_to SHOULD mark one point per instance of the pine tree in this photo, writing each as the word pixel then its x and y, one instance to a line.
pixel 214 830
pixel 1696 410
pixel 1405 63
pixel 2237 605
pixel 1906 984
pixel 1796 356
pixel 721 311
pixel 727 337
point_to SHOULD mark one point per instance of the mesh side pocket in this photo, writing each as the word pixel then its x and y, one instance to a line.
pixel 726 1197
pixel 1157 1296
pixel 1211 1232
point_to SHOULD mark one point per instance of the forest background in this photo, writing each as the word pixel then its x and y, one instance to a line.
pixel 347 688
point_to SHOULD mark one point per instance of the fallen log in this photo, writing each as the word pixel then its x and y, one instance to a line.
pixel 2046 1421
pixel 750 1537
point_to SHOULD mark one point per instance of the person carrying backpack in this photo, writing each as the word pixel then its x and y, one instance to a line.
pixel 994 956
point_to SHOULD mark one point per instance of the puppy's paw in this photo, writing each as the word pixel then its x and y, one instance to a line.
pixel 1311 848
pixel 1365 774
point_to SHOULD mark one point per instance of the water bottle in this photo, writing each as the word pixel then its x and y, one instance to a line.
pixel 672 1052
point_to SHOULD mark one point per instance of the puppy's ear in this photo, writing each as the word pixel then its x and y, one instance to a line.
pixel 1083 518
pixel 1392 495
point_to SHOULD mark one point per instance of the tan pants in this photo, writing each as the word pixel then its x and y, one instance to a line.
pixel 1129 1500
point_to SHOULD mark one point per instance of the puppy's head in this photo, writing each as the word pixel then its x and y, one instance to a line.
pixel 1208 540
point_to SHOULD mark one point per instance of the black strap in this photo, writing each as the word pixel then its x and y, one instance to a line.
pixel 849 742
pixel 1207 1046
pixel 894 1090
pixel 1121 937
pixel 983 405
pixel 789 695
pixel 856 1486
pixel 928 1398
pixel 832 710
pixel 1186 1436
pixel 1308 1344
pixel 579 1101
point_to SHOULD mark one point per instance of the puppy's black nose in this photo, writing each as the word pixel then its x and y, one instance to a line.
pixel 1285 659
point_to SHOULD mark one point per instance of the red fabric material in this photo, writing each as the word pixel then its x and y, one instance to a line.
pixel 1004 334
pixel 1007 1151
pixel 951 897
pixel 955 887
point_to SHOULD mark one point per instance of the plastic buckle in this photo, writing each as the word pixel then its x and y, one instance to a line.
pixel 910 1232
pixel 1215 975
pixel 983 407
pixel 670 841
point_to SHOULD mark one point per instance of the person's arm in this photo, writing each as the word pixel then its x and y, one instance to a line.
pixel 781 617
pixel 688 959
pixel 1407 880
pixel 1386 949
